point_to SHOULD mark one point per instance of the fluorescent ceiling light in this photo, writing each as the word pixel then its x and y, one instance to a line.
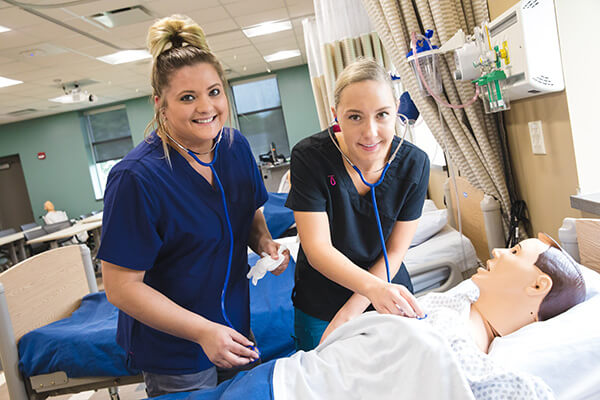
pixel 66 99
pixel 4 29
pixel 4 82
pixel 266 28
pixel 282 55
pixel 125 56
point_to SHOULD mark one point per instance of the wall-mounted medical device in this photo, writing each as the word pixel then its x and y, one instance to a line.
pixel 517 55
pixel 530 31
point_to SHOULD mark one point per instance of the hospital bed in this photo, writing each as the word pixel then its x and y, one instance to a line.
pixel 564 351
pixel 48 288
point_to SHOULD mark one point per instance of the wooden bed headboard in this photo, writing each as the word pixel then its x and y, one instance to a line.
pixel 588 239
pixel 45 288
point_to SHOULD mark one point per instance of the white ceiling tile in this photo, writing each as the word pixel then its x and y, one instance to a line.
pixel 132 30
pixel 227 41
pixel 6 70
pixel 167 8
pixel 301 10
pixel 96 50
pixel 244 7
pixel 46 31
pixel 5 59
pixel 61 14
pixel 205 14
pixel 16 18
pixel 15 38
pixel 274 46
pixel 257 18
pixel 75 41
pixel 215 27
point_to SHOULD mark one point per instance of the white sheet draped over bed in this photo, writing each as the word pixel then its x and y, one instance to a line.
pixel 374 357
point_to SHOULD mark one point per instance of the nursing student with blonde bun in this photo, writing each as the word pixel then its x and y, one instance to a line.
pixel 180 211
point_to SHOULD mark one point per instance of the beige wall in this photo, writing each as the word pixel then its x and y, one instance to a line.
pixel 545 182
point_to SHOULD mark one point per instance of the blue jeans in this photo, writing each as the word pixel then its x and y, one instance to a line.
pixel 308 330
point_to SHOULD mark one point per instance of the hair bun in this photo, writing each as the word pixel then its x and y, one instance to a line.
pixel 176 30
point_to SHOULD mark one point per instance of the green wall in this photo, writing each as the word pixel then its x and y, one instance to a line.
pixel 64 178
pixel 298 103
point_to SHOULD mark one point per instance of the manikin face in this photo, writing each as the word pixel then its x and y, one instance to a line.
pixel 367 117
pixel 511 270
pixel 196 105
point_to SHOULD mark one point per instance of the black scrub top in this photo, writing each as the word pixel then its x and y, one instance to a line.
pixel 320 182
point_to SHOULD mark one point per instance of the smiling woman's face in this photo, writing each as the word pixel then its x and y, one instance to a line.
pixel 366 114
pixel 196 106
pixel 511 269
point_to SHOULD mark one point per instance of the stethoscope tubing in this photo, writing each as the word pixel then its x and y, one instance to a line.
pixel 372 186
pixel 227 218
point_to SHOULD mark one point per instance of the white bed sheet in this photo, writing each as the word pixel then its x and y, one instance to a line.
pixel 446 244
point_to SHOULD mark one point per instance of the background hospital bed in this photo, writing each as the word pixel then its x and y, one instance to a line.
pixel 38 291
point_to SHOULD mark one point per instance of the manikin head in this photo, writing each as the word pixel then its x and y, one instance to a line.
pixel 533 281
pixel 48 206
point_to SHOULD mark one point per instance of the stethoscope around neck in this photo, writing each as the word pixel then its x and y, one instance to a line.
pixel 372 186
pixel 211 164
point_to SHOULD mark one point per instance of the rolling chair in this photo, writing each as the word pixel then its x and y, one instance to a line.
pixel 30 225
pixel 51 228
pixel 5 261
pixel 35 248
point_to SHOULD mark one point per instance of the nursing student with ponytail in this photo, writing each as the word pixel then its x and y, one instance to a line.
pixel 179 212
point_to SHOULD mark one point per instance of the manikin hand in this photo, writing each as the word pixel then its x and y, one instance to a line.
pixel 225 347
pixel 390 298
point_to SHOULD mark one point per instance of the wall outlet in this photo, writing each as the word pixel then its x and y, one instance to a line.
pixel 537 137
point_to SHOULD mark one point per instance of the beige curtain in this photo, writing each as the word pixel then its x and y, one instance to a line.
pixel 339 33
pixel 469 135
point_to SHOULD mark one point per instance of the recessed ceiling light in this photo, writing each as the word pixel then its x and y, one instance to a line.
pixel 124 56
pixel 282 55
pixel 4 82
pixel 4 29
pixel 266 28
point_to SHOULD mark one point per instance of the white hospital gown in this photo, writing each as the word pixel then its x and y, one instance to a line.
pixel 448 313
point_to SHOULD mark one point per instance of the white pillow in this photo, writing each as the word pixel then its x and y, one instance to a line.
pixel 432 221
pixel 564 351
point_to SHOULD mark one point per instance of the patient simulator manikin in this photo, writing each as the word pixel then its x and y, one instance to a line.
pixel 384 356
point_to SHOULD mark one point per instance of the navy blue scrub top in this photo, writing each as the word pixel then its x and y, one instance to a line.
pixel 320 182
pixel 171 224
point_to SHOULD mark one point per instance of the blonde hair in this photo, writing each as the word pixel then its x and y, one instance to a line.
pixel 175 42
pixel 363 69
